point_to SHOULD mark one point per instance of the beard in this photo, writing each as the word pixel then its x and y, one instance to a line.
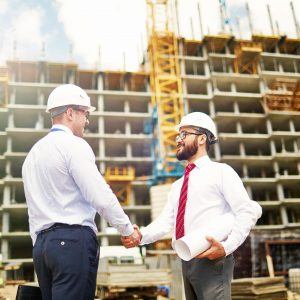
pixel 187 151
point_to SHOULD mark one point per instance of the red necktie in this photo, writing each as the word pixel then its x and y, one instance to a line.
pixel 182 202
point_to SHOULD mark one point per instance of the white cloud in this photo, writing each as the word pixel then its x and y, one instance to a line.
pixel 115 26
pixel 3 6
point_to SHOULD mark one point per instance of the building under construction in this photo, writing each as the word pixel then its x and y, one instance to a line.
pixel 250 88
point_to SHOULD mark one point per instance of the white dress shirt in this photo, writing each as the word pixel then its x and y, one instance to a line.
pixel 214 189
pixel 63 185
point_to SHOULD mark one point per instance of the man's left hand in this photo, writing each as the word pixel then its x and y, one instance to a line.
pixel 215 251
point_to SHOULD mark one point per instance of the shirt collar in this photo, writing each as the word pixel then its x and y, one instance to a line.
pixel 201 161
pixel 63 127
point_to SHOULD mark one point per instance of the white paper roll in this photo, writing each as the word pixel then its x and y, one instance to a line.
pixel 195 242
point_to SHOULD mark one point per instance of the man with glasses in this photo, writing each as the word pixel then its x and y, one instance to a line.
pixel 207 191
pixel 64 190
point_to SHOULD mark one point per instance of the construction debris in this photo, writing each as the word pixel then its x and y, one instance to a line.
pixel 259 288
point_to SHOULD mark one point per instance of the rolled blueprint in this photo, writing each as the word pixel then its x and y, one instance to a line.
pixel 195 242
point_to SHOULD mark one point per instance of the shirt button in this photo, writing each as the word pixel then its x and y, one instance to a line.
pixel 62 243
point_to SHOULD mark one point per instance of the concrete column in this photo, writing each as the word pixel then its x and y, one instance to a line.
pixel 100 82
pixel 40 122
pixel 206 69
pixel 276 169
pixel 269 127
pixel 242 149
pixel 101 126
pixel 8 169
pixel 239 128
pixel 209 88
pixel 295 146
pixel 12 96
pixel 273 148
pixel 184 87
pixel 217 150
pixel 72 77
pixel 245 171
pixel 9 144
pixel 262 86
pixel 126 106
pixel 5 250
pixel 233 87
pixel 11 123
pixel 280 192
pixel 284 216
pixel 101 149
pixel 236 108
pixel 212 110
pixel 128 150
pixel 182 67
pixel 149 107
pixel 5 222
pixel 6 195
pixel 295 66
pixel 41 97
pixel 100 99
pixel 292 126
pixel 127 128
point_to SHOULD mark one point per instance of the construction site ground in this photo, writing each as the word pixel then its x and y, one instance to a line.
pixel 9 292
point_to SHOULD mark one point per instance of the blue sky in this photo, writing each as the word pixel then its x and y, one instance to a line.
pixel 104 32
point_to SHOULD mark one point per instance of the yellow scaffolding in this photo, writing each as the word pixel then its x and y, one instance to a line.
pixel 217 43
pixel 3 86
pixel 165 82
pixel 247 54
pixel 268 42
pixel 120 179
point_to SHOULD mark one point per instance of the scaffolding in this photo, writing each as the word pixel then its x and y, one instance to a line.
pixel 3 86
pixel 217 43
pixel 247 54
pixel 283 95
pixel 120 180
pixel 268 43
pixel 165 83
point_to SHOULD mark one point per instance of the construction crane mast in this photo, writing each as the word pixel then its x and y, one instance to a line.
pixel 166 88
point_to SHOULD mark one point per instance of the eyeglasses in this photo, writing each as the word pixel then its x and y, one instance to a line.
pixel 86 112
pixel 182 135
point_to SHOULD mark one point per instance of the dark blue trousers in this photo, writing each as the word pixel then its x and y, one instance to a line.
pixel 66 261
pixel 206 279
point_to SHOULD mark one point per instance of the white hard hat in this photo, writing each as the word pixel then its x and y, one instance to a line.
pixel 68 94
pixel 198 119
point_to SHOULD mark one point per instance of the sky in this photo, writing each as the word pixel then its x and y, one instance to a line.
pixel 112 35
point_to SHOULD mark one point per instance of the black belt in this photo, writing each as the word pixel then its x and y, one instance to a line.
pixel 62 225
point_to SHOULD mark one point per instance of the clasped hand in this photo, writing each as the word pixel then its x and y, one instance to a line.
pixel 132 240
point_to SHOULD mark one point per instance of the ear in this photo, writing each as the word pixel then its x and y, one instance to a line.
pixel 202 139
pixel 69 114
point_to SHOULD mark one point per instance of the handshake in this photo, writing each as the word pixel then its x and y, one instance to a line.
pixel 132 240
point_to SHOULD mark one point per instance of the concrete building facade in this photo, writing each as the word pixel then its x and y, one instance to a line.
pixel 261 142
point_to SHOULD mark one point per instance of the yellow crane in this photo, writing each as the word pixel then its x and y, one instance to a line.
pixel 166 88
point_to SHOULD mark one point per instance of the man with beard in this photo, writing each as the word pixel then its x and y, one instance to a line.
pixel 207 191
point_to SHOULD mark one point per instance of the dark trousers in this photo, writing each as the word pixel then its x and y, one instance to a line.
pixel 206 279
pixel 66 260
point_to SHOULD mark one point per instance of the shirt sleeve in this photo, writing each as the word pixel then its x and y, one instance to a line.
pixel 95 190
pixel 246 211
pixel 160 226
